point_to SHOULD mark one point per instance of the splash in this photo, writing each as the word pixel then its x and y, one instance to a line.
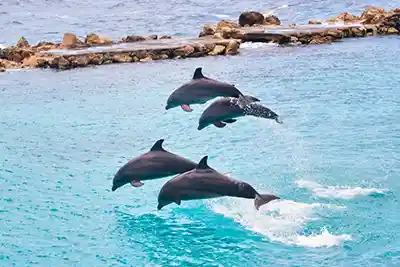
pixel 281 221
pixel 343 192
pixel 272 11
pixel 251 45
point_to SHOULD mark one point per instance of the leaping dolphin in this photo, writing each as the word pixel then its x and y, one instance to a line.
pixel 202 89
pixel 204 182
pixel 154 164
pixel 224 111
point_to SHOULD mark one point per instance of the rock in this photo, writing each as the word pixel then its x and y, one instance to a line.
pixel 250 18
pixel 185 51
pixel 337 34
pixel 232 47
pixel 122 58
pixel 59 62
pixel 146 59
pixel 95 59
pixel 70 41
pixel 391 21
pixel 373 15
pixel 151 37
pixel 165 37
pixel 79 61
pixel 272 20
pixel 30 62
pixel 224 23
pixel 294 39
pixel 227 32
pixel 392 30
pixel 44 46
pixel 218 35
pixel 345 17
pixel 358 32
pixel 94 39
pixel 16 54
pixel 321 40
pixel 7 64
pixel 218 50
pixel 22 43
pixel 396 11
pixel 292 25
pixel 314 22
pixel 2 53
pixel 2 69
pixel 132 39
pixel 207 30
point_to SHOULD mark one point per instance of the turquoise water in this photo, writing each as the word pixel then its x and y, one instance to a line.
pixel 334 161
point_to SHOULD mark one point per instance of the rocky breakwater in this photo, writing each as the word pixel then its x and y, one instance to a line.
pixel 255 27
pixel 96 50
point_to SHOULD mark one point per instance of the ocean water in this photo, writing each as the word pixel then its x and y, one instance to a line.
pixel 335 161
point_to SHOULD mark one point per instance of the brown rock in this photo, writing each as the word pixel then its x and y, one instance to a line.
pixel 185 51
pixel 272 20
pixel 44 46
pixel 218 50
pixel 22 43
pixel 251 18
pixel 70 41
pixel 345 17
pixel 79 61
pixel 337 34
pixel 165 37
pixel 207 30
pixel 224 23
pixel 314 22
pixel 292 25
pixel 59 62
pixel 95 59
pixel 232 47
pixel 321 40
pixel 94 39
pixel 227 32
pixel 151 37
pixel 372 15
pixel 30 62
pixel 132 39
pixel 208 47
pixel 397 10
pixel 2 69
pixel 358 32
pixel 218 35
pixel 122 58
pixel 7 64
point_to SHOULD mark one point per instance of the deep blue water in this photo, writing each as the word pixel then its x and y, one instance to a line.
pixel 335 160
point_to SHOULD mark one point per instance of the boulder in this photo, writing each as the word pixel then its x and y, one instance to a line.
pixel 79 61
pixel 207 30
pixel 165 37
pixel 22 43
pixel 44 46
pixel 30 62
pixel 345 17
pixel 272 20
pixel 122 58
pixel 8 64
pixel 373 15
pixel 314 22
pixel 96 59
pixel 132 39
pixel 224 23
pixel 70 41
pixel 184 51
pixel 337 34
pixel 251 18
pixel 232 47
pixel 218 50
pixel 321 40
pixel 94 39
pixel 2 69
pixel 358 32
pixel 146 59
pixel 392 30
pixel 391 21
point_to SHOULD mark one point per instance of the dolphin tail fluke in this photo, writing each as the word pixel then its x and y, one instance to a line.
pixel 263 199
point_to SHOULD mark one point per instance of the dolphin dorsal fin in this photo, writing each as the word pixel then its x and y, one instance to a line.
pixel 203 163
pixel 198 74
pixel 158 146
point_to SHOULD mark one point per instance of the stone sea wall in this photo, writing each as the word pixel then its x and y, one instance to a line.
pixel 224 38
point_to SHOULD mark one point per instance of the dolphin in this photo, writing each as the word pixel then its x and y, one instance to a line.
pixel 224 111
pixel 202 89
pixel 154 164
pixel 204 182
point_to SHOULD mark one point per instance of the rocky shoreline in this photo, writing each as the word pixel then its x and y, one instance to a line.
pixel 224 38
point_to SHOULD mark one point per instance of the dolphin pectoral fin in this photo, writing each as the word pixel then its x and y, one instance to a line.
pixel 137 183
pixel 263 199
pixel 219 124
pixel 186 108
pixel 230 121
pixel 178 202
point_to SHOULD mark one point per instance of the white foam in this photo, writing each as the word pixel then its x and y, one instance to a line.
pixel 344 192
pixel 222 16
pixel 272 11
pixel 2 46
pixel 281 220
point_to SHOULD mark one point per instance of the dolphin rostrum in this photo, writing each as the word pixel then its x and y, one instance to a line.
pixel 154 164
pixel 224 111
pixel 202 89
pixel 204 182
